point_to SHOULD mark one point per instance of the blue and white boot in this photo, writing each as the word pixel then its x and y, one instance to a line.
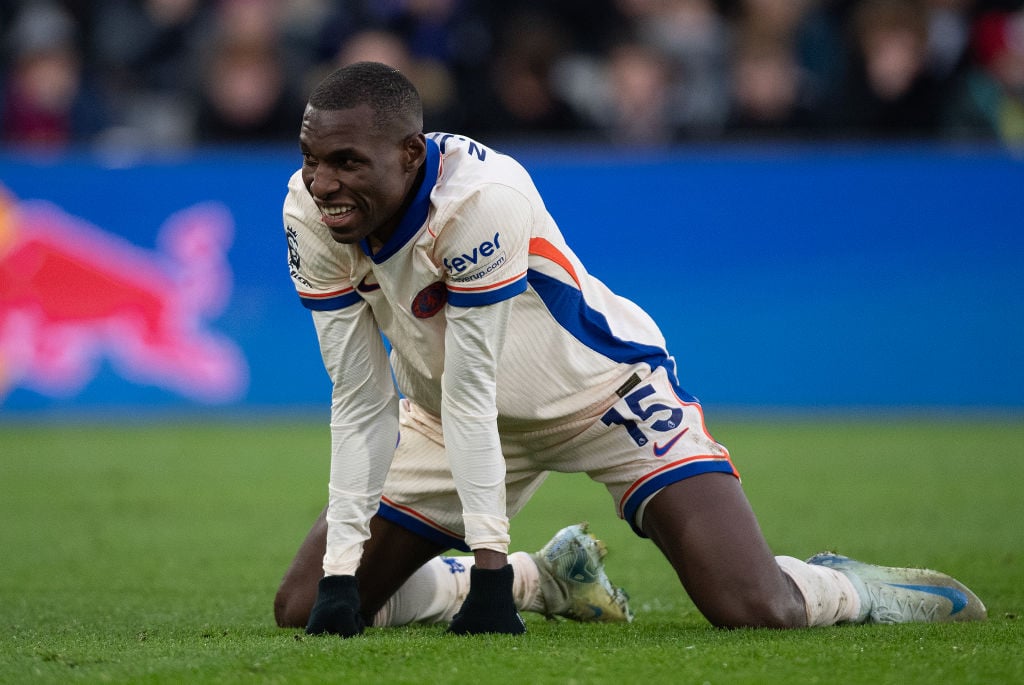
pixel 905 595
pixel 573 581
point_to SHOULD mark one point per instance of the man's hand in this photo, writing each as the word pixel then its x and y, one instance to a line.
pixel 336 610
pixel 489 606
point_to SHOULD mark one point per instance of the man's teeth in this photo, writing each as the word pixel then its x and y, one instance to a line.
pixel 336 211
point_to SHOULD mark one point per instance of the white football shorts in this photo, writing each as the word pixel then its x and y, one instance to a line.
pixel 647 439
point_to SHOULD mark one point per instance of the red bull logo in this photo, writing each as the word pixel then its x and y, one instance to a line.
pixel 73 296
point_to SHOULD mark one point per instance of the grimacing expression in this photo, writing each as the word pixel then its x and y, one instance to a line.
pixel 358 176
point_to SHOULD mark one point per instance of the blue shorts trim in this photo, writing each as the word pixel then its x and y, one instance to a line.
pixel 409 520
pixel 631 504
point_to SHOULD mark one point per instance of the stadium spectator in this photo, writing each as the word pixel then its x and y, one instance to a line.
pixel 519 96
pixel 772 96
pixel 48 101
pixel 245 96
pixel 889 91
pixel 550 68
pixel 248 90
pixel 640 80
pixel 811 29
pixel 149 45
pixel 148 53
pixel 432 78
pixel 628 97
pixel 990 102
pixel 949 31
pixel 694 36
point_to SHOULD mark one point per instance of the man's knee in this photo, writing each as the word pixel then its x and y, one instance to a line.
pixel 291 608
pixel 708 532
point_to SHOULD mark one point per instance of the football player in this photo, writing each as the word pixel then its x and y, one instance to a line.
pixel 510 361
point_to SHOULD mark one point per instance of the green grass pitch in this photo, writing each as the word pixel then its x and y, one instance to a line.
pixel 150 553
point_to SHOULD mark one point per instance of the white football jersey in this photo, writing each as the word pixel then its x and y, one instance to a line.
pixel 478 233
pixel 494 324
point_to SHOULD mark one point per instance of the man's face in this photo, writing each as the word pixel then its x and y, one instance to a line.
pixel 358 176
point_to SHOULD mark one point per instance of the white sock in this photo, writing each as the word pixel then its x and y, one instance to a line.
pixel 829 596
pixel 436 591
pixel 526 586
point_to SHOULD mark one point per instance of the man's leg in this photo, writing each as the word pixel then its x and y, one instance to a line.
pixel 566 578
pixel 706 528
pixel 297 592
pixel 390 556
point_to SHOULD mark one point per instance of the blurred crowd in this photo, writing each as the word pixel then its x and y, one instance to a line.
pixel 171 74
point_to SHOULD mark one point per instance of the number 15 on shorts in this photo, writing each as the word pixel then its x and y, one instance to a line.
pixel 668 417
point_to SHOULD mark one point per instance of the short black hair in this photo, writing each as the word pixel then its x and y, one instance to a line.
pixel 393 98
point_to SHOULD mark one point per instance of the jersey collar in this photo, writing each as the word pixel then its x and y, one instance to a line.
pixel 416 215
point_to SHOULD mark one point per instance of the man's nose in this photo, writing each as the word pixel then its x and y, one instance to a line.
pixel 325 181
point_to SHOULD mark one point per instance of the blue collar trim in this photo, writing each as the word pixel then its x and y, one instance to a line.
pixel 416 215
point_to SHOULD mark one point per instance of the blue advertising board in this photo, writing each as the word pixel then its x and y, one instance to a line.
pixel 795 277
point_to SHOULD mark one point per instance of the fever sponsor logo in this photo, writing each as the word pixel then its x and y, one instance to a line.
pixel 486 254
pixel 73 296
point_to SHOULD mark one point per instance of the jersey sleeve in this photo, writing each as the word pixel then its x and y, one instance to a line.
pixel 364 429
pixel 474 338
pixel 484 246
pixel 364 402
pixel 316 266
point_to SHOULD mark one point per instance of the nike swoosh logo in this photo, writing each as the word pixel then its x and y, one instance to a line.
pixel 662 450
pixel 957 598
pixel 365 287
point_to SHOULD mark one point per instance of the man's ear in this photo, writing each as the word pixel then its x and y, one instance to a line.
pixel 415 151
